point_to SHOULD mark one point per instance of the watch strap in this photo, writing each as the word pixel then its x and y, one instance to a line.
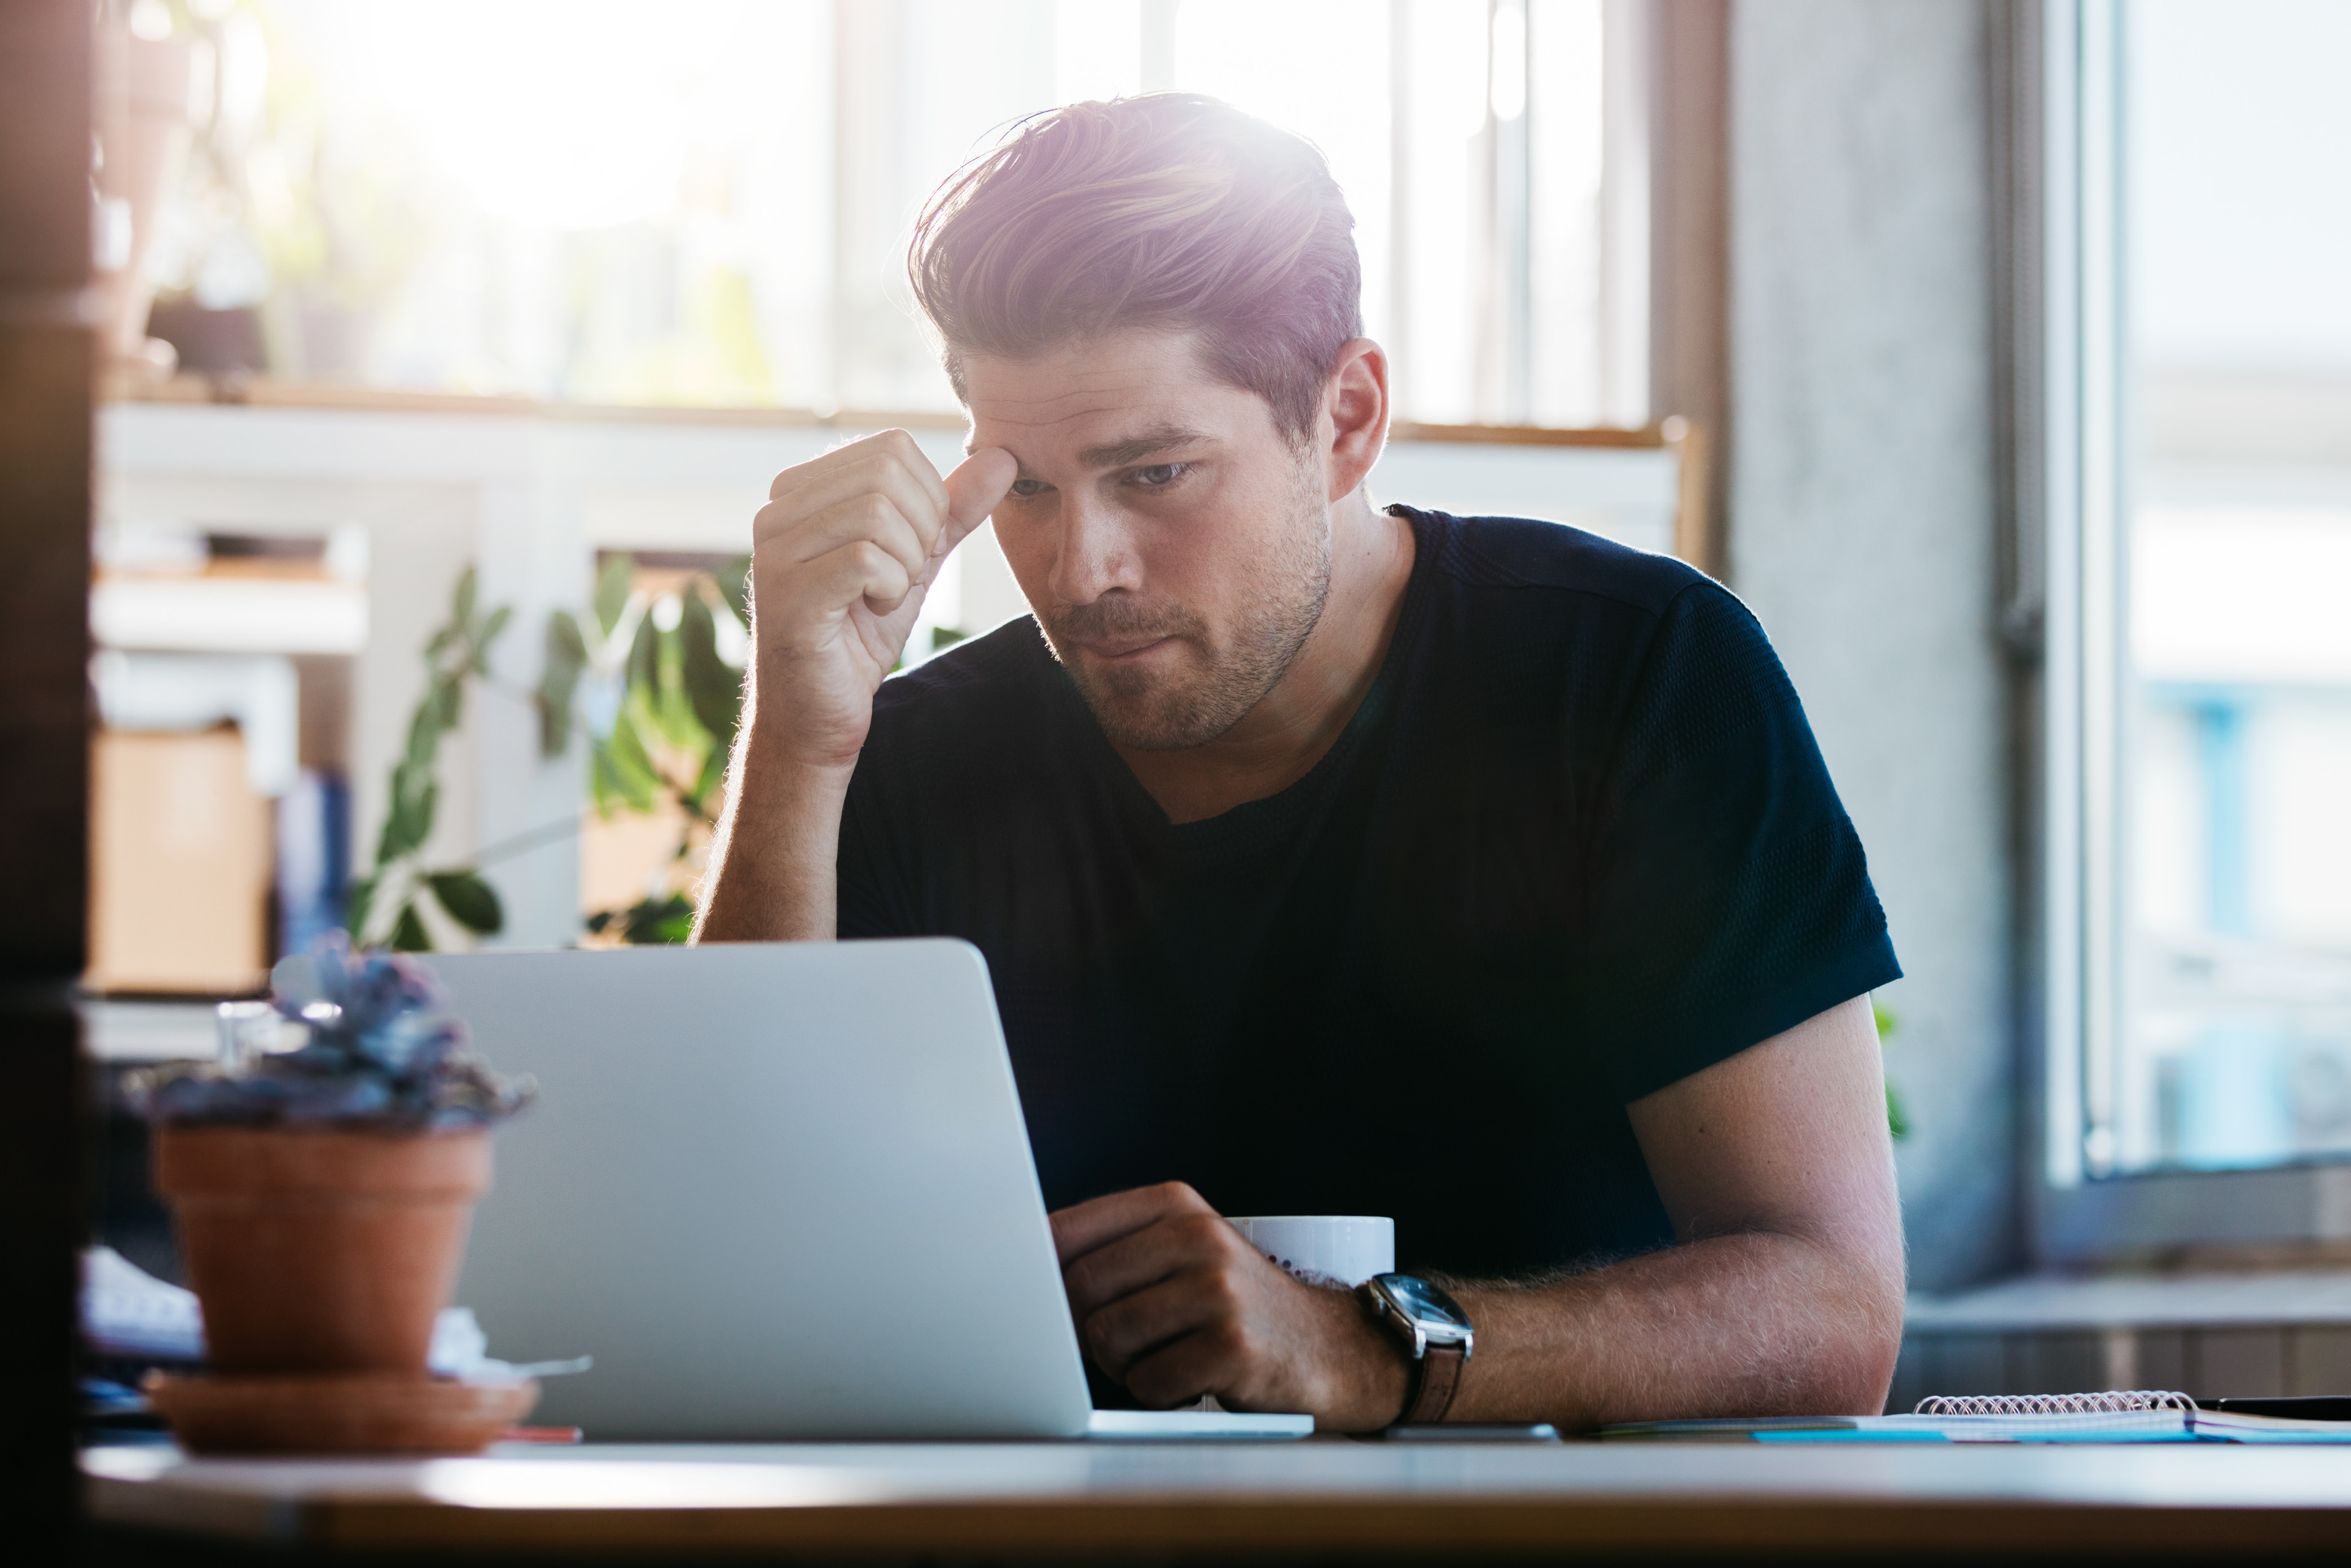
pixel 1433 1376
pixel 1436 1379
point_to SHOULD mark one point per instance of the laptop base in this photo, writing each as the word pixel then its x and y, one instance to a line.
pixel 1194 1425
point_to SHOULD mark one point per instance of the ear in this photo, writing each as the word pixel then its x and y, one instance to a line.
pixel 1354 425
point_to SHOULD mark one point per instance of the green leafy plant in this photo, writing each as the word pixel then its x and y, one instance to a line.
pixel 1897 1121
pixel 661 705
pixel 384 909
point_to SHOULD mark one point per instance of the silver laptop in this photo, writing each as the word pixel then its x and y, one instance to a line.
pixel 776 1190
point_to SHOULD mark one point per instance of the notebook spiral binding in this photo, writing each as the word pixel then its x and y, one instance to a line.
pixel 2114 1402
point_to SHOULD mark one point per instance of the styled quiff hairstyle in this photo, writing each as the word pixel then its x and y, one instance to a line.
pixel 1169 212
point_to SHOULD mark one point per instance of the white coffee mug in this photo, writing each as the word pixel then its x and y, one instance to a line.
pixel 1324 1249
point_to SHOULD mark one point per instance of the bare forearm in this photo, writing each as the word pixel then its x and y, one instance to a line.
pixel 1757 1324
pixel 775 856
pixel 1783 1296
pixel 841 556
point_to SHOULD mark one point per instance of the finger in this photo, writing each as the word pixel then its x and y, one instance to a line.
pixel 910 456
pixel 975 488
pixel 1133 1327
pixel 1143 1257
pixel 891 463
pixel 833 582
pixel 1080 1228
pixel 876 479
pixel 869 515
pixel 893 446
pixel 1209 1360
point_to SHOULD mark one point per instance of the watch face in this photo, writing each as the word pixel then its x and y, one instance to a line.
pixel 1424 1302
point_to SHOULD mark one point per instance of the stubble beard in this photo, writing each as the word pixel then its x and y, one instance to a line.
pixel 1217 685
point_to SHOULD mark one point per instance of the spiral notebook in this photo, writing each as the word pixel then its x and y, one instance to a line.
pixel 2119 1415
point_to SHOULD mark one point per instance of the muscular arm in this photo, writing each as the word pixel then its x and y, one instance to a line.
pixel 841 556
pixel 1782 1294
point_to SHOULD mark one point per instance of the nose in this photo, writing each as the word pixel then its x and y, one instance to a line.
pixel 1094 552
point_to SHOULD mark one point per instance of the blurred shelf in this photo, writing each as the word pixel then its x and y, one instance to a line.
pixel 125 1030
pixel 265 393
pixel 229 614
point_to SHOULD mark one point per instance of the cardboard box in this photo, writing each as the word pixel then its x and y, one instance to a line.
pixel 181 860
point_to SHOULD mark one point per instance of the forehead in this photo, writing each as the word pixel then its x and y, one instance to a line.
pixel 1096 391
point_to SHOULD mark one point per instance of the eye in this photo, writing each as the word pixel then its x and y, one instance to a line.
pixel 1027 488
pixel 1159 475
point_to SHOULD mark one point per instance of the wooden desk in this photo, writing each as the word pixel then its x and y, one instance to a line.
pixel 1323 1500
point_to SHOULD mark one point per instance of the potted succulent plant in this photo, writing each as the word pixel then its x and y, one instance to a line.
pixel 323 1177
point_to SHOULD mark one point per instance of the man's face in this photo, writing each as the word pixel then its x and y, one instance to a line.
pixel 1175 544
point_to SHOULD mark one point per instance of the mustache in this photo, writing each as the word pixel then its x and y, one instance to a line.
pixel 1115 616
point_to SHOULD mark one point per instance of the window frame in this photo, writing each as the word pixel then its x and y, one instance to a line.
pixel 2057 97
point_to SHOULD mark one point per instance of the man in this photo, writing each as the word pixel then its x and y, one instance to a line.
pixel 1327 859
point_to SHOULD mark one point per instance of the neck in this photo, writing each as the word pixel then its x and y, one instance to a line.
pixel 1279 741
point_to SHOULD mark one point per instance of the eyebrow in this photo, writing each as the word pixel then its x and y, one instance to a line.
pixel 1134 448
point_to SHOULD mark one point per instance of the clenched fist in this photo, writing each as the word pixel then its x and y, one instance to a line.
pixel 841 556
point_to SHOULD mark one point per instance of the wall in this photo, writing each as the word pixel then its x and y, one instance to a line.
pixel 1862 506
pixel 2228 1335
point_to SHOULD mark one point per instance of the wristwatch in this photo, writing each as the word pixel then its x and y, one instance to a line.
pixel 1436 1334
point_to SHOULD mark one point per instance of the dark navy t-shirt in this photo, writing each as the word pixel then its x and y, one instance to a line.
pixel 1577 844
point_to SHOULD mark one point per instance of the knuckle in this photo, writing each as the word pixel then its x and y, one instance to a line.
pixel 1201 1229
pixel 1179 1193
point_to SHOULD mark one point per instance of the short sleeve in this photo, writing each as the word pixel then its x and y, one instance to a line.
pixel 873 894
pixel 1729 899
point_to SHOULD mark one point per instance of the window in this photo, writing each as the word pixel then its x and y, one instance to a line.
pixel 2199 650
pixel 707 202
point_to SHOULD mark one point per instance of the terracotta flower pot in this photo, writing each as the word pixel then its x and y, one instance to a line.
pixel 319 1251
